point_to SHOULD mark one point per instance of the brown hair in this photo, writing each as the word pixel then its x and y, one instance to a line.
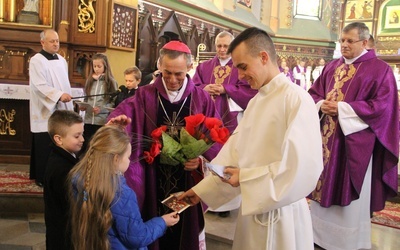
pixel 94 183
pixel 111 83
pixel 135 71
pixel 60 121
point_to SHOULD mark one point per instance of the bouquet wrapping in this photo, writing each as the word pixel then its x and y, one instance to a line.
pixel 196 138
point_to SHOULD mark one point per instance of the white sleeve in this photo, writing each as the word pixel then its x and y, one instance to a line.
pixel 349 121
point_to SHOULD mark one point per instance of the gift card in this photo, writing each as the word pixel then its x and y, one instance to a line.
pixel 173 203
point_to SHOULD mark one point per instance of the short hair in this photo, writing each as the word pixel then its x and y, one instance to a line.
pixel 135 71
pixel 362 30
pixel 44 32
pixel 371 42
pixel 224 34
pixel 173 54
pixel 61 120
pixel 256 40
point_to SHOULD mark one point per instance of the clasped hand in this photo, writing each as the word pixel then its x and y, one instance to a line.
pixel 329 107
pixel 192 164
pixel 215 89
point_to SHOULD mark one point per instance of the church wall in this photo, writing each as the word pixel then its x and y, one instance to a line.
pixel 120 59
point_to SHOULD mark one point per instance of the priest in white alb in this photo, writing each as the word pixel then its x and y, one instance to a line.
pixel 273 160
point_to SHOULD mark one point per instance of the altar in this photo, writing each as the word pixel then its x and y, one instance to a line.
pixel 15 135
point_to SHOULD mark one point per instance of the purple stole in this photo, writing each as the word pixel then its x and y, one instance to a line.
pixel 369 87
pixel 298 70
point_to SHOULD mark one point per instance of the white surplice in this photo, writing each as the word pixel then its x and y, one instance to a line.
pixel 277 146
pixel 349 227
pixel 48 80
pixel 297 75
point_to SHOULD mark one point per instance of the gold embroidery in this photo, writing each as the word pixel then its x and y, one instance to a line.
pixel 220 73
pixel 342 74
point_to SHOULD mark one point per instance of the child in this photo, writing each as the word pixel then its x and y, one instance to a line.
pixel 102 84
pixel 66 131
pixel 104 210
pixel 133 76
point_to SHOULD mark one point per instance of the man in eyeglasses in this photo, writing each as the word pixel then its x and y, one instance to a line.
pixel 357 98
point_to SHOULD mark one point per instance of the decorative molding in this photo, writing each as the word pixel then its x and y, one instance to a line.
pixel 86 17
pixel 335 18
pixel 289 17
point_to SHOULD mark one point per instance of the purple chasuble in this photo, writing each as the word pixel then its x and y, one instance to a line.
pixel 211 72
pixel 369 87
pixel 143 109
pixel 289 74
pixel 298 70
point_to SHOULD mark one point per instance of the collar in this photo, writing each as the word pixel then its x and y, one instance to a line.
pixel 48 55
pixel 352 60
pixel 175 95
pixel 224 62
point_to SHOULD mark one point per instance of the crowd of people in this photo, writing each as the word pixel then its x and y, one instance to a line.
pixel 101 192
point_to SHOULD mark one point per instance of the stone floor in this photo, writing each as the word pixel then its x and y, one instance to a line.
pixel 20 232
pixel 28 233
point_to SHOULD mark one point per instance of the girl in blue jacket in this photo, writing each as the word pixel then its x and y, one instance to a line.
pixel 104 210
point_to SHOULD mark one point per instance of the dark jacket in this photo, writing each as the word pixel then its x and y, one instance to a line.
pixel 56 209
pixel 123 94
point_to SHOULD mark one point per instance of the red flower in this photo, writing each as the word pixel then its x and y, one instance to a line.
pixel 156 133
pixel 192 122
pixel 220 135
pixel 197 137
pixel 148 158
pixel 212 122
pixel 155 148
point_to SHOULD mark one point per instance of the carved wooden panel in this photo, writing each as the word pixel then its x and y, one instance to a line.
pixel 79 66
pixel 167 25
pixel 88 23
pixel 147 45
pixel 15 135
pixel 293 53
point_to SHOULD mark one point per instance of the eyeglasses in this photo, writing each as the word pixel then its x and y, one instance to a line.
pixel 349 41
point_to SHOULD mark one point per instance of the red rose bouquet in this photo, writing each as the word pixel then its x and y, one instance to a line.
pixel 196 138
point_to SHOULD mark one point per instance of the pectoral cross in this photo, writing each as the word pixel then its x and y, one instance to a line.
pixel 173 125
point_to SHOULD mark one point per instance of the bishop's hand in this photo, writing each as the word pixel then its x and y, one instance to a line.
pixel 121 120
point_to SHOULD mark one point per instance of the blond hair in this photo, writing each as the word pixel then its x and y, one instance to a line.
pixel 94 183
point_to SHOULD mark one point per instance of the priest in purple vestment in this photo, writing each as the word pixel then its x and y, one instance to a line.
pixel 285 70
pixel 220 79
pixel 358 103
pixel 299 74
pixel 167 101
